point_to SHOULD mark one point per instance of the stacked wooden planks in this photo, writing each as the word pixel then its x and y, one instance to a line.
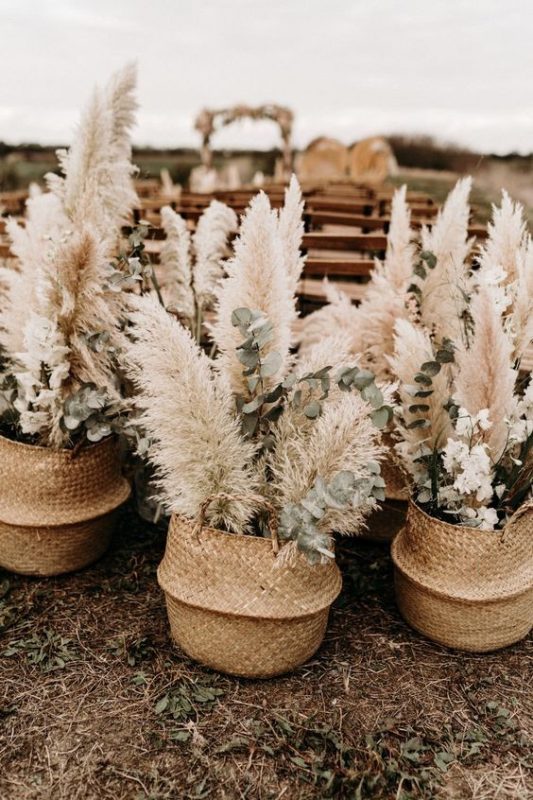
pixel 346 228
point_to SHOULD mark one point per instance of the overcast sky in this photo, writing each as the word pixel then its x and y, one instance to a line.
pixel 461 70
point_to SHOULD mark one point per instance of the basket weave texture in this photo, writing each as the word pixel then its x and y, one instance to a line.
pixel 57 508
pixel 393 474
pixel 395 484
pixel 235 607
pixel 463 587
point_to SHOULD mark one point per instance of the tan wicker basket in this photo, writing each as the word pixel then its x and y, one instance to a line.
pixel 463 587
pixel 234 607
pixel 393 474
pixel 57 508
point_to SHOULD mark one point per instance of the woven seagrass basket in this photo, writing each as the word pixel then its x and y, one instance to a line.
pixel 233 606
pixel 463 587
pixel 57 507
pixel 393 474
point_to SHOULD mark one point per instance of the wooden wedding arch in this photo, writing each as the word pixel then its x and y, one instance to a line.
pixel 209 121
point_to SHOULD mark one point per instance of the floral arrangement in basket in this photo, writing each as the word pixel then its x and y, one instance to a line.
pixel 62 305
pixel 191 266
pixel 450 322
pixel 466 412
pixel 254 420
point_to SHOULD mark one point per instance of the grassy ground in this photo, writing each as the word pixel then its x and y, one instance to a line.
pixel 95 701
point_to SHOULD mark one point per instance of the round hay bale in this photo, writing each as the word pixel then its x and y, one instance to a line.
pixel 323 159
pixel 371 160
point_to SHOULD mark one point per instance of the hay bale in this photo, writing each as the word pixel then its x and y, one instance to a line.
pixel 371 160
pixel 323 159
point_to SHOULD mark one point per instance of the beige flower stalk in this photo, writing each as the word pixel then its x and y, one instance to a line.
pixel 485 378
pixel 31 244
pixel 443 291
pixel 385 299
pixel 175 273
pixel 71 304
pixel 412 349
pixel 256 279
pixel 189 414
pixel 291 230
pixel 96 182
pixel 370 326
pixel 343 438
pixel 339 316
pixel 506 272
pixel 211 247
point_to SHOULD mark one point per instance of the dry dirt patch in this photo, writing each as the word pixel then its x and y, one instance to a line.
pixel 96 703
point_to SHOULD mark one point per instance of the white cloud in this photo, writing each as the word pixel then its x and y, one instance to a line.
pixel 456 69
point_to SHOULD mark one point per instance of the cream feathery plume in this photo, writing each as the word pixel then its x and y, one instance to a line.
pixel 123 105
pixel 334 350
pixel 291 230
pixel 71 305
pixel 96 184
pixel 485 378
pixel 445 287
pixel 256 279
pixel 385 298
pixel 506 272
pixel 343 438
pixel 32 244
pixel 519 321
pixel 74 292
pixel 412 349
pixel 505 241
pixel 293 427
pixel 399 258
pixel 175 273
pixel 85 159
pixel 339 317
pixel 188 413
pixel 383 305
pixel 211 246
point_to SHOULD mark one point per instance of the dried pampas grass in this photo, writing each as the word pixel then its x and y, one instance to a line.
pixel 444 291
pixel 291 230
pixel 413 348
pixel 506 272
pixel 96 182
pixel 256 279
pixel 187 411
pixel 339 317
pixel 343 438
pixel 485 378
pixel 175 270
pixel 211 247
pixel 70 305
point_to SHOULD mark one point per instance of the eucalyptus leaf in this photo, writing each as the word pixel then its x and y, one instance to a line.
pixel 253 405
pixel 380 417
pixel 444 356
pixel 372 395
pixel 429 258
pixel 418 423
pixel 241 317
pixel 431 367
pixel 312 409
pixel 363 379
pixel 421 377
pixel 271 364
pixel 249 358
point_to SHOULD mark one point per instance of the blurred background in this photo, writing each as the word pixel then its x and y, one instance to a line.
pixel 446 82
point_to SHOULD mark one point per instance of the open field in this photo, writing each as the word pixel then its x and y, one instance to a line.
pixel 96 703
pixel 17 170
